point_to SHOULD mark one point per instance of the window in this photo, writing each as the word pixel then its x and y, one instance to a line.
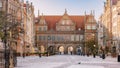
pixel 44 38
pixel 88 27
pixel 77 37
pixel 44 29
pixel 53 38
pixel 49 38
pixel 0 4
pixel 58 38
pixel 81 37
pixel 40 37
pixel 40 29
pixel 67 28
pixel 67 22
pixel 94 27
pixel 72 37
pixel 63 22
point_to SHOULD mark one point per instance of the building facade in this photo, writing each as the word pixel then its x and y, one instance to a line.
pixel 12 10
pixel 22 13
pixel 101 36
pixel 110 21
pixel 11 19
pixel 28 19
pixel 65 34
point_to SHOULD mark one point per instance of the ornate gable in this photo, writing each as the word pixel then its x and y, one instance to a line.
pixel 42 20
pixel 42 24
pixel 91 19
pixel 65 23
pixel 66 20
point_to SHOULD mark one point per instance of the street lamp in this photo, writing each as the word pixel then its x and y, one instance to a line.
pixel 118 48
pixel 94 53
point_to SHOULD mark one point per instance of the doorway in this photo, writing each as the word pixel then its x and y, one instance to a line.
pixel 61 50
pixel 70 50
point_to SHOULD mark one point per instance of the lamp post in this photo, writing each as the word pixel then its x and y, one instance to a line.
pixel 118 50
pixel 94 53
pixel 6 52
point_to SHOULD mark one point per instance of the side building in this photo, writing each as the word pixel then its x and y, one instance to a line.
pixel 28 28
pixel 110 20
pixel 13 12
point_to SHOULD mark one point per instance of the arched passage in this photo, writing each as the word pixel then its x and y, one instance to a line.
pixel 61 50
pixel 42 49
pixel 70 50
pixel 51 50
pixel 79 50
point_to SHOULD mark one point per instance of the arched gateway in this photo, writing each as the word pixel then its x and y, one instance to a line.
pixel 70 50
pixel 61 49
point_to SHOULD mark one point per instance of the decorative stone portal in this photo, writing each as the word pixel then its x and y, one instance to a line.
pixel 61 50
pixel 70 50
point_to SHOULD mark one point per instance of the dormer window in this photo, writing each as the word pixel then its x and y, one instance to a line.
pixel 67 22
pixel 63 22
pixel 43 28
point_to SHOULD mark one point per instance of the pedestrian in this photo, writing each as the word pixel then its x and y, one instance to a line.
pixel 87 54
pixel 40 55
pixel 94 55
pixel 103 56
pixel 7 59
pixel 71 52
pixel 60 53
pixel 23 55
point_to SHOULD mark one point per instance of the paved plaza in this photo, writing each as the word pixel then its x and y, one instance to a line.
pixel 67 61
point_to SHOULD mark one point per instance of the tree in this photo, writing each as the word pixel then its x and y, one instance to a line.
pixel 1 23
pixel 107 49
pixel 9 31
pixel 90 46
pixel 8 21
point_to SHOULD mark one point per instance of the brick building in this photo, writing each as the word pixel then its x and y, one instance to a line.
pixel 110 20
pixel 64 34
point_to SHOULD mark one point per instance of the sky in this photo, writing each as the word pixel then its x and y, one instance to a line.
pixel 74 7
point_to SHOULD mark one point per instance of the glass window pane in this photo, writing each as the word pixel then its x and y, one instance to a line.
pixel 53 38
pixel 40 37
pixel 93 27
pixel 81 37
pixel 72 37
pixel 88 27
pixel 0 4
pixel 40 29
pixel 44 28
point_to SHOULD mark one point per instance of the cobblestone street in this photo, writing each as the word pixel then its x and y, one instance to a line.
pixel 67 61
